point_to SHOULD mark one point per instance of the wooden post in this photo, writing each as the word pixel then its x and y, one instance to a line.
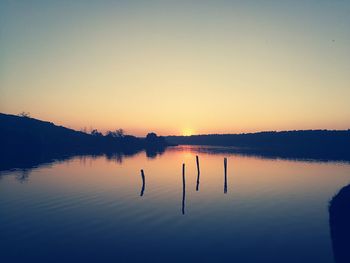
pixel 143 182
pixel 183 189
pixel 225 169
pixel 198 173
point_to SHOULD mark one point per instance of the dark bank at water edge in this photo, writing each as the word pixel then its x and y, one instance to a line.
pixel 28 139
pixel 302 144
pixel 31 140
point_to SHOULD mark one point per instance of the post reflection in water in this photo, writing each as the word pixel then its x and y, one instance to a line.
pixel 93 225
pixel 198 173
pixel 225 180
pixel 183 189
pixel 143 183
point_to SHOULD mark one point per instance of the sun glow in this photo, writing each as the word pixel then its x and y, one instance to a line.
pixel 187 132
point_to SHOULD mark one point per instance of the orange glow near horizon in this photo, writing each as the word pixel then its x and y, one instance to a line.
pixel 246 173
pixel 177 67
pixel 187 132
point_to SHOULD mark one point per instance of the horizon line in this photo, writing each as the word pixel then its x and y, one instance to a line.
pixel 199 134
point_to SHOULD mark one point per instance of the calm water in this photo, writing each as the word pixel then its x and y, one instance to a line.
pixel 90 209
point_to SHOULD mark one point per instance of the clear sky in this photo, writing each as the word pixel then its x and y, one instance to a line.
pixel 178 67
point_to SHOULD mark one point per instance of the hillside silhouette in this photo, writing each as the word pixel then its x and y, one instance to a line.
pixel 28 140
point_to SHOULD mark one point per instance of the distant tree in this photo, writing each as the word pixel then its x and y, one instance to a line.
pixel 119 133
pixel 95 132
pixel 151 136
pixel 153 139
pixel 116 134
pixel 110 134
pixel 24 114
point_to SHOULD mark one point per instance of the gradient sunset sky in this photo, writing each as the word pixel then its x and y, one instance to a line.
pixel 178 67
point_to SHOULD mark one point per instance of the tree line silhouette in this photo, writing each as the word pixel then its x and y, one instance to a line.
pixel 25 137
pixel 305 144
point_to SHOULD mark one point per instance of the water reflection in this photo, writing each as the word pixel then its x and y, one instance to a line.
pixel 26 163
pixel 266 154
pixel 116 156
pixel 23 175
pixel 90 204
pixel 153 152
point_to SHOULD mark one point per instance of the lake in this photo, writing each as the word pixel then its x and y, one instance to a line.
pixel 92 208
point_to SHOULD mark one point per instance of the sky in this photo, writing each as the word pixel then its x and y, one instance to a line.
pixel 177 67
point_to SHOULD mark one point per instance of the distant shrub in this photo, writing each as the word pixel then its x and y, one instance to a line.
pixel 24 114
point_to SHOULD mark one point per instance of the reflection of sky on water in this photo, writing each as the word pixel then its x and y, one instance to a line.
pixel 274 210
